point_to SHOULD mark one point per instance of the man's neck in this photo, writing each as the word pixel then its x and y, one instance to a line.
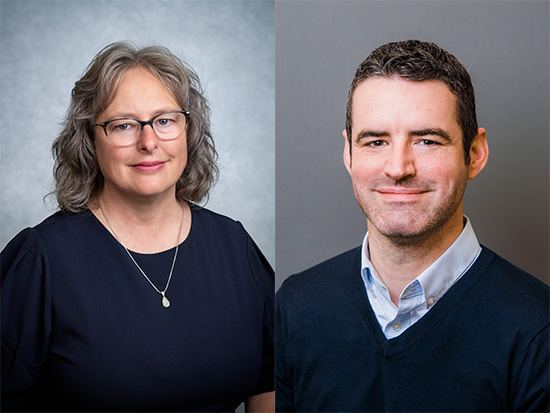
pixel 398 262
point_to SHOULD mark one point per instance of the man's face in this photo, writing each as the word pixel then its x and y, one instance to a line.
pixel 407 161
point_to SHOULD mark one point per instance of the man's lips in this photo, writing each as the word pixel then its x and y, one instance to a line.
pixel 152 166
pixel 401 194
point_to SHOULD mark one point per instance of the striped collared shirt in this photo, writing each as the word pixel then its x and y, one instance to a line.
pixel 425 290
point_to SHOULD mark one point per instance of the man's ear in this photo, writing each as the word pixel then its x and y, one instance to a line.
pixel 347 153
pixel 479 154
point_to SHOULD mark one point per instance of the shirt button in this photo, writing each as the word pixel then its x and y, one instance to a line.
pixel 431 301
pixel 396 326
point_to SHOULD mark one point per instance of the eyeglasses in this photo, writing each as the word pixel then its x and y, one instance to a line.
pixel 127 131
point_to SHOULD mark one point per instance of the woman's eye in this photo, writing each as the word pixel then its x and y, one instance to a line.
pixel 164 122
pixel 122 127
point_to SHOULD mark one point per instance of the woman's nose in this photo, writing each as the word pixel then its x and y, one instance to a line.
pixel 148 139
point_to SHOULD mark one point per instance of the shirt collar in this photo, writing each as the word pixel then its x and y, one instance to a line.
pixel 441 274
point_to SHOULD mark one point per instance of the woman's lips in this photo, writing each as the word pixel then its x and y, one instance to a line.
pixel 149 166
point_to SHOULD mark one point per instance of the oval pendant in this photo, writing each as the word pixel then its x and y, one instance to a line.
pixel 165 302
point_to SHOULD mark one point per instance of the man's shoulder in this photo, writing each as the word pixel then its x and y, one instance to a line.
pixel 518 286
pixel 504 296
pixel 324 276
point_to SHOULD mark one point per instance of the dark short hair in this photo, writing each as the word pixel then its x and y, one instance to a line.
pixel 78 178
pixel 417 61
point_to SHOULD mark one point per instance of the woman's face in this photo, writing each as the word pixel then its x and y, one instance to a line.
pixel 150 167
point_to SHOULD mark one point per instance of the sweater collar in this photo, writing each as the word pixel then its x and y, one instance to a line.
pixel 440 275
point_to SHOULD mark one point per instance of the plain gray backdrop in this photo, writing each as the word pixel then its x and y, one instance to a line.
pixel 319 45
pixel 46 46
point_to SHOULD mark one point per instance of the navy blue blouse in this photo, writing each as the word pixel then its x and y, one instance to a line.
pixel 82 329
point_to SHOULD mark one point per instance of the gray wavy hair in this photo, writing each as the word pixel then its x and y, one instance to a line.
pixel 78 178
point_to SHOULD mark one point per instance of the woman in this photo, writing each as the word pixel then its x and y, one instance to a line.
pixel 132 298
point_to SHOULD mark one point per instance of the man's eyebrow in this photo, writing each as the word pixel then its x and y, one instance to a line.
pixel 370 134
pixel 432 131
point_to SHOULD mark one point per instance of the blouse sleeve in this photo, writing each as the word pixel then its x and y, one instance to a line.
pixel 26 317
pixel 265 281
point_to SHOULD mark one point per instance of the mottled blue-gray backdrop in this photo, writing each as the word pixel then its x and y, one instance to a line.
pixel 45 47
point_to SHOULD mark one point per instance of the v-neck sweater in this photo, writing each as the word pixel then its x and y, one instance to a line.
pixel 482 347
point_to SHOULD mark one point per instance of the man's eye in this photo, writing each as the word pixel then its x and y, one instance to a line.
pixel 375 143
pixel 428 142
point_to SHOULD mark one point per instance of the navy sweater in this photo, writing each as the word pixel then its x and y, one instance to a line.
pixel 482 347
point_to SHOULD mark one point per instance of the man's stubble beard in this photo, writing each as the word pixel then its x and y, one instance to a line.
pixel 409 223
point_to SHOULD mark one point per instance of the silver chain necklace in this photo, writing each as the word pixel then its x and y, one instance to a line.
pixel 165 301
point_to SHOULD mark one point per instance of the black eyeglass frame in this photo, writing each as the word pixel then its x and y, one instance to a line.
pixel 143 123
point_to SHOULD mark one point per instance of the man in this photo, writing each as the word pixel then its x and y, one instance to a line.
pixel 420 317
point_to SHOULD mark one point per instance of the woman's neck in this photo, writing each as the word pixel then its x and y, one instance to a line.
pixel 145 225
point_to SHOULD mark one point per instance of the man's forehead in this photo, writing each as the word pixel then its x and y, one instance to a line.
pixel 386 94
pixel 381 102
pixel 385 82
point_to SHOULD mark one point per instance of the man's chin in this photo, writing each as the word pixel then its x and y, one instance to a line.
pixel 406 238
pixel 402 233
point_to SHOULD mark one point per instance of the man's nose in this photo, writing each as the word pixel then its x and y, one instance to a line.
pixel 400 163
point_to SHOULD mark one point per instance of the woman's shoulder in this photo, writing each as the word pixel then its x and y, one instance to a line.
pixel 53 229
pixel 26 248
pixel 208 219
pixel 224 232
pixel 228 238
pixel 61 224
pixel 60 217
